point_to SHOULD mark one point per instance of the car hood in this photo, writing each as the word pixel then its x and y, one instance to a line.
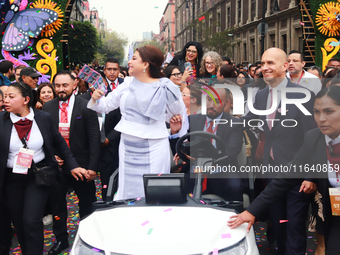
pixel 151 230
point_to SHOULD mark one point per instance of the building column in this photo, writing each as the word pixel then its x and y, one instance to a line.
pixel 268 8
pixel 249 11
pixel 292 4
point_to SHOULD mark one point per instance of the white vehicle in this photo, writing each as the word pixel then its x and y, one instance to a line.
pixel 138 228
pixel 166 221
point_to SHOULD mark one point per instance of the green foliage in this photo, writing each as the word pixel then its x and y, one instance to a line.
pixel 100 58
pixel 112 45
pixel 83 42
pixel 319 38
pixel 222 42
pixel 154 43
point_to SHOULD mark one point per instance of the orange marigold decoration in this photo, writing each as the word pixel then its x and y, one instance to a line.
pixel 327 20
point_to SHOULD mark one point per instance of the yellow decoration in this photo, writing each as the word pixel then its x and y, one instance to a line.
pixel 326 19
pixel 44 65
pixel 328 48
pixel 51 29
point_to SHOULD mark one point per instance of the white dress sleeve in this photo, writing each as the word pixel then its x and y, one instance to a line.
pixel 108 103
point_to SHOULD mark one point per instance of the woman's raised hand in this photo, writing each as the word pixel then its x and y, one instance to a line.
pixel 97 94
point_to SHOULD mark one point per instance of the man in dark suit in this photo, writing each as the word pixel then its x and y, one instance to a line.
pixel 281 144
pixel 79 126
pixel 111 138
pixel 231 189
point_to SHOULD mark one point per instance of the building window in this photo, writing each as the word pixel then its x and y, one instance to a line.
pixel 218 22
pixel 245 52
pixel 239 11
pixel 272 40
pixel 253 10
pixel 228 17
pixel 284 43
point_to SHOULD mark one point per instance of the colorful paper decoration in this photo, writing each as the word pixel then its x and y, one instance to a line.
pixel 326 19
pixel 328 47
pixel 49 61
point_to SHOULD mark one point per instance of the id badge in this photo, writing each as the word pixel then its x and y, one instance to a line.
pixel 64 130
pixel 334 194
pixel 23 161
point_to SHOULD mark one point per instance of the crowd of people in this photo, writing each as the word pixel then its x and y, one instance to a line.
pixel 80 131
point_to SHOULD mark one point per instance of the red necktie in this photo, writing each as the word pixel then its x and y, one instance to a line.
pixel 209 129
pixel 23 127
pixel 113 86
pixel 271 117
pixel 64 117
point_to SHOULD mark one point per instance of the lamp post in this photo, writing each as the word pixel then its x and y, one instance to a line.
pixel 263 35
pixel 193 17
pixel 94 9
pixel 276 8
pixel 167 25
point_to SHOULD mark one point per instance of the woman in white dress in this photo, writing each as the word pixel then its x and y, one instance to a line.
pixel 146 101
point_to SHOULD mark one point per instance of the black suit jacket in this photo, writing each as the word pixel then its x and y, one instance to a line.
pixel 52 141
pixel 312 152
pixel 232 136
pixel 285 141
pixel 111 120
pixel 84 132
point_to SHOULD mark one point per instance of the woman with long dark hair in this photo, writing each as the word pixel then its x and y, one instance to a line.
pixel 146 101
pixel 193 53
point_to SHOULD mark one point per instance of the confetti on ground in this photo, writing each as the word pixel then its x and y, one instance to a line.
pixel 283 221
pixel 168 210
pixel 150 231
pixel 301 23
pixel 228 235
pixel 159 174
pixel 144 223
pixel 215 251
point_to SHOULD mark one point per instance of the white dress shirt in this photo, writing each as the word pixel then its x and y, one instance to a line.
pixel 115 82
pixel 309 81
pixel 35 141
pixel 278 88
pixel 331 173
